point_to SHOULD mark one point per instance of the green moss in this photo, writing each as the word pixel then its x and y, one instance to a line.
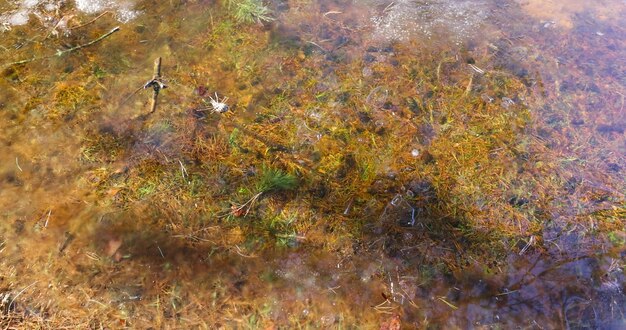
pixel 146 189
pixel 282 228
pixel 617 238
pixel 98 72
pixel 275 180
pixel 250 11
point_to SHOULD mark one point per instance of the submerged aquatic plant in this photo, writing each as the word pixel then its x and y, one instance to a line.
pixel 271 180
pixel 275 179
pixel 250 11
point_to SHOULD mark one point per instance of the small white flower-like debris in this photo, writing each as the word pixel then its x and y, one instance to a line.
pixel 218 105
pixel 507 102
pixel 477 69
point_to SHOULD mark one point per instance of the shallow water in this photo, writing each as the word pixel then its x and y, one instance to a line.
pixel 460 164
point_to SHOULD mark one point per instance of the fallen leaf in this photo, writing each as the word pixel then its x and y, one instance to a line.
pixel 112 246
pixel 392 323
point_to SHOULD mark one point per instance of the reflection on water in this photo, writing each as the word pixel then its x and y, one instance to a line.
pixel 567 14
pixel 459 164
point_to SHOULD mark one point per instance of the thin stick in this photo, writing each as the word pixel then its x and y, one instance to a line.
pixel 442 62
pixel 388 7
pixel 18 165
pixel 320 47
pixel 468 89
pixel 477 69
pixel 161 252
pixel 156 77
pixel 447 303
pixel 131 95
pixel 248 205
pixel 19 293
pixel 45 225
pixel 183 170
pixel 331 12
pixel 241 253
pixel 63 52
pixel 93 20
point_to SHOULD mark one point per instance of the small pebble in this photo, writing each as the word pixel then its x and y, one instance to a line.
pixel 415 152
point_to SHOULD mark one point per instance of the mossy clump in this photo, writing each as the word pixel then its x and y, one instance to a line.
pixel 276 180
pixel 250 11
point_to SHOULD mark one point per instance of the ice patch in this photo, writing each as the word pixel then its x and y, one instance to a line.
pixel 30 3
pixel 22 9
pixel 124 9
pixel 454 20
pixel 20 17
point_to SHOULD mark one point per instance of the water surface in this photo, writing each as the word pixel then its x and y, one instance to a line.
pixel 459 164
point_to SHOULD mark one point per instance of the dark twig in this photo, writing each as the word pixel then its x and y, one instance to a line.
pixel 93 20
pixel 63 52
